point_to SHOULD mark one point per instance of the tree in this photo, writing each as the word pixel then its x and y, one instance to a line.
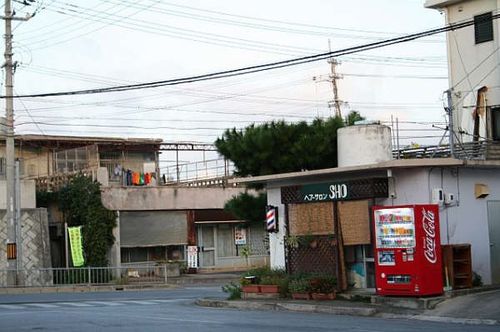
pixel 352 117
pixel 80 202
pixel 248 207
pixel 278 147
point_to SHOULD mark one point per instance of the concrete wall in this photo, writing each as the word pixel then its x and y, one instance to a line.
pixel 471 66
pixel 28 194
pixel 465 221
pixel 166 198
pixel 34 162
pixel 35 248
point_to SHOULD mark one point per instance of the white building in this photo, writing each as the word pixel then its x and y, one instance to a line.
pixel 469 206
pixel 473 64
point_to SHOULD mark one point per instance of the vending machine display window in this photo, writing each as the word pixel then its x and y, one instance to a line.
pixel 395 228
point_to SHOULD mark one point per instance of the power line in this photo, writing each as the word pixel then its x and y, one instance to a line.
pixel 361 34
pixel 259 68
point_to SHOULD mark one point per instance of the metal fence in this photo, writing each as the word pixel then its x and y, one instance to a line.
pixel 90 276
pixel 197 171
pixel 479 150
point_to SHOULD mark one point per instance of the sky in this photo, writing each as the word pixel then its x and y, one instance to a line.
pixel 72 45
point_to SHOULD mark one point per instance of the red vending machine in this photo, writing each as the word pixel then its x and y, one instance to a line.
pixel 407 250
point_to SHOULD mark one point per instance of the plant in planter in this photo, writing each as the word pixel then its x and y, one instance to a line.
pixel 300 289
pixel 247 285
pixel 323 287
pixel 270 284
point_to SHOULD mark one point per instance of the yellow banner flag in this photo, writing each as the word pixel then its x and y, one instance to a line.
pixel 75 239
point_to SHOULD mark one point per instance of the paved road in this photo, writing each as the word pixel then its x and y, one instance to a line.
pixel 173 310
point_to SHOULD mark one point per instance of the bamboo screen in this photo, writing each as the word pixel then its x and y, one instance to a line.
pixel 311 218
pixel 355 222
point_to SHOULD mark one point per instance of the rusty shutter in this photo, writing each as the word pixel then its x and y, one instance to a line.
pixel 153 228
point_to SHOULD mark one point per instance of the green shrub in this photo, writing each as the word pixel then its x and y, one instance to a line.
pixel 233 290
pixel 323 283
pixel 299 285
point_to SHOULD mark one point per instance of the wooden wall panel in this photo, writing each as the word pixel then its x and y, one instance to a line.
pixel 311 218
pixel 355 222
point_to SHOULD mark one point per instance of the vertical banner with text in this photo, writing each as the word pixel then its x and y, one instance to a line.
pixel 75 240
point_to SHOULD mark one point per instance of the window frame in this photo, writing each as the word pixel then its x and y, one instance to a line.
pixel 483 28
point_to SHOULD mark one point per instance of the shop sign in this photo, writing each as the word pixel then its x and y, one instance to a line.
pixel 240 236
pixel 192 256
pixel 321 192
pixel 75 240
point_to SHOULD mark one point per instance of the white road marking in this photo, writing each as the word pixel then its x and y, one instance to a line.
pixel 41 305
pixel 139 302
pixel 74 304
pixel 87 304
pixel 11 306
pixel 105 303
pixel 169 301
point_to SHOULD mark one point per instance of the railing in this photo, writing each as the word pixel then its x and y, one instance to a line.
pixel 89 276
pixel 198 171
pixel 479 150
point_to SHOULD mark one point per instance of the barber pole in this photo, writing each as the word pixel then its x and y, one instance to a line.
pixel 271 218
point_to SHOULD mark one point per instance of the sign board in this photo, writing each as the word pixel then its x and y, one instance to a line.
pixel 240 236
pixel 192 256
pixel 335 191
pixel 75 240
pixel 321 192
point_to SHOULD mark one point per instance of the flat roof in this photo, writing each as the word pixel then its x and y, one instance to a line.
pixel 440 3
pixel 76 139
pixel 391 164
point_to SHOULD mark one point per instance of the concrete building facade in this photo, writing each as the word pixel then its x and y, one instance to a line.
pixel 474 74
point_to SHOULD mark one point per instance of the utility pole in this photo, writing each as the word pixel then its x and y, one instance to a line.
pixel 9 143
pixel 333 78
pixel 451 129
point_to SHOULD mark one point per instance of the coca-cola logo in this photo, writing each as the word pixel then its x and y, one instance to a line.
pixel 429 226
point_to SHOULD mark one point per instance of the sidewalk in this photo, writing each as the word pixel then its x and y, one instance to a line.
pixel 454 307
pixel 186 279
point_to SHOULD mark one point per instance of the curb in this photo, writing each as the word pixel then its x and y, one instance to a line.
pixel 337 310
pixel 298 307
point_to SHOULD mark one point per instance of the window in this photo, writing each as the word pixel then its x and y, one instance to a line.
pixel 2 166
pixel 483 28
pixel 495 123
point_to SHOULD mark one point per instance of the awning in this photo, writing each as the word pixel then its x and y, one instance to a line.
pixel 152 228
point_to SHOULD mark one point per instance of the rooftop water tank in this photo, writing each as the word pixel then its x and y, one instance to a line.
pixel 363 144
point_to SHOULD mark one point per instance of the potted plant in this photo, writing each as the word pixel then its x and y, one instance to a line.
pixel 323 288
pixel 270 284
pixel 300 289
pixel 247 286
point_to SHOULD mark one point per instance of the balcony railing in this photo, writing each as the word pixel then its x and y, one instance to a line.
pixel 205 173
pixel 480 150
